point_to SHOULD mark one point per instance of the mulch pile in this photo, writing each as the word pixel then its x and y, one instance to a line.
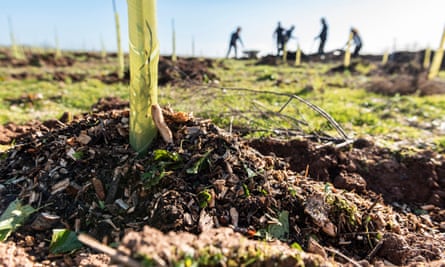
pixel 184 70
pixel 403 78
pixel 358 204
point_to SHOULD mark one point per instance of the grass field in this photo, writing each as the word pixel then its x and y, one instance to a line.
pixel 362 173
pixel 412 118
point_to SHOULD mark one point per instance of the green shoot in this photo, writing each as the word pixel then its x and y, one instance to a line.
pixel 204 198
pixel 200 163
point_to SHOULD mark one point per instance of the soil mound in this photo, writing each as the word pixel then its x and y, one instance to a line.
pixel 269 60
pixel 365 169
pixel 85 175
pixel 188 70
pixel 403 78
pixel 184 70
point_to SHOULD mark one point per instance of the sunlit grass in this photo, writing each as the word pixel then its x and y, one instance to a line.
pixel 55 98
pixel 342 95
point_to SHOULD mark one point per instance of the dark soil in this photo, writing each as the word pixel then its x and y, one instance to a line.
pixel 37 60
pixel 334 56
pixel 184 70
pixel 213 196
pixel 354 204
pixel 188 70
pixel 403 78
pixel 402 75
pixel 365 168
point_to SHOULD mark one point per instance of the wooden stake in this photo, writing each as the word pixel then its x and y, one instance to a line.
pixel 437 60
pixel 347 60
pixel 298 56
pixel 427 58
pixel 385 58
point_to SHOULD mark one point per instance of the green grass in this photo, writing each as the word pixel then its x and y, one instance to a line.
pixel 56 98
pixel 342 95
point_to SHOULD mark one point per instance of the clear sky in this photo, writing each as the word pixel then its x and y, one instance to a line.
pixel 81 24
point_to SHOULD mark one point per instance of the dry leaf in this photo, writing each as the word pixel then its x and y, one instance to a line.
pixel 158 118
pixel 234 215
pixel 98 188
pixel 83 138
pixel 316 248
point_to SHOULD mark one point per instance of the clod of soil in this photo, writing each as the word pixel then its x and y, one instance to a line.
pixel 411 179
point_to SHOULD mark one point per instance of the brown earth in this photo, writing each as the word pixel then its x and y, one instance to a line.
pixel 403 78
pixel 211 192
pixel 216 196
pixel 395 78
pixel 402 75
pixel 184 70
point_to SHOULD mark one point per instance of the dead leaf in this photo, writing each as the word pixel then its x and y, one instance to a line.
pixel 60 186
pixel 234 215
pixel 83 138
pixel 205 221
pixel 98 188
pixel 314 247
pixel 158 118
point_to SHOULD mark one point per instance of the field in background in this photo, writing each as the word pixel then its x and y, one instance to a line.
pixel 46 89
pixel 330 187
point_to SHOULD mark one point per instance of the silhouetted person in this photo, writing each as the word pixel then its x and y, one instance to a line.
pixel 323 36
pixel 233 39
pixel 357 42
pixel 279 34
pixel 287 35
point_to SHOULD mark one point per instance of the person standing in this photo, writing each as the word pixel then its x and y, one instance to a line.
pixel 322 36
pixel 357 41
pixel 287 36
pixel 279 34
pixel 233 42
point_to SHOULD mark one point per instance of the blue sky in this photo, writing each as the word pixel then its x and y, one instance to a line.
pixel 81 24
